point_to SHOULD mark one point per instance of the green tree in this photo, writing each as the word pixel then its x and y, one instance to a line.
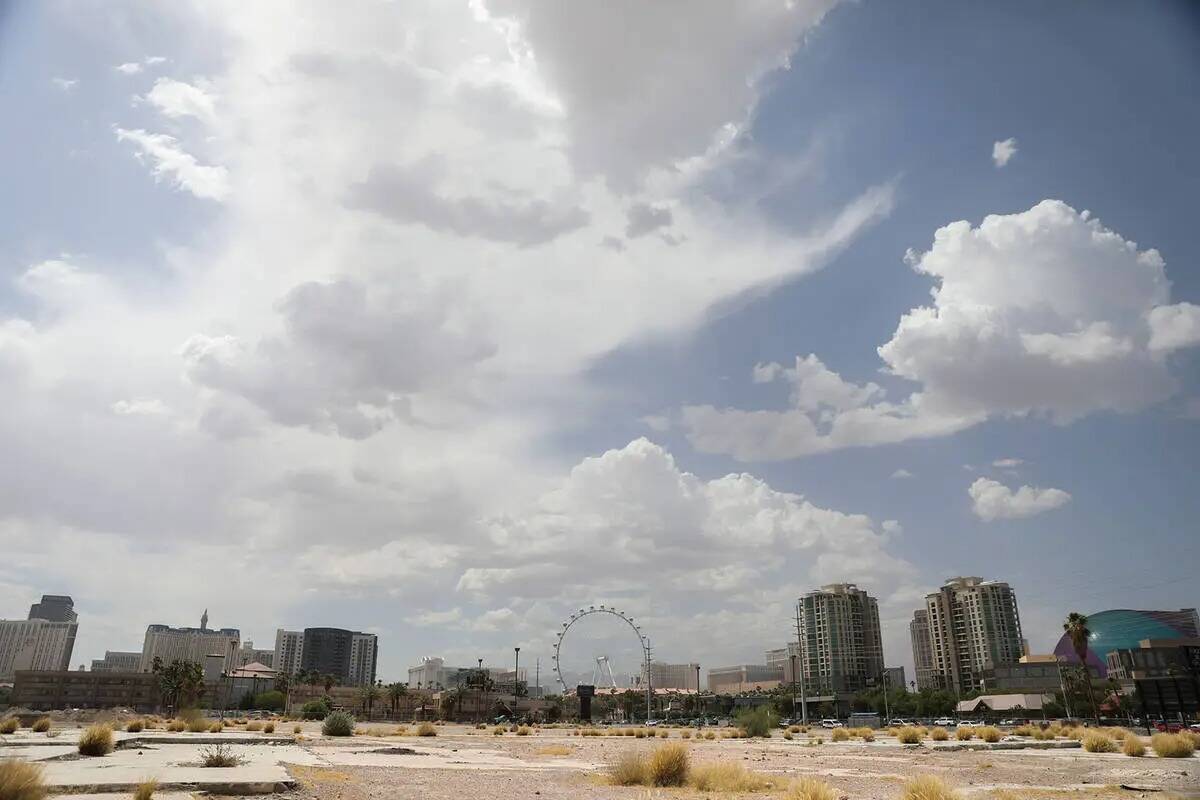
pixel 1077 631
pixel 328 681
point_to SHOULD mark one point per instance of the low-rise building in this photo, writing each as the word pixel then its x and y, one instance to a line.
pixel 743 678
pixel 118 661
pixel 249 654
pixel 1035 675
pixel 43 690
pixel 1164 674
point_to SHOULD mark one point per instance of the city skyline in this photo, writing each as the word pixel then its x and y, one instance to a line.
pixel 533 313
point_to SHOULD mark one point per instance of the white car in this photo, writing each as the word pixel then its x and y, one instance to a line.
pixel 831 723
pixel 944 722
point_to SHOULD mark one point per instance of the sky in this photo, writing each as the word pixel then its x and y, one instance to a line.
pixel 444 320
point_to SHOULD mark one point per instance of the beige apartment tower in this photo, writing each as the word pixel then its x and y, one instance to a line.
pixel 840 641
pixel 922 648
pixel 974 626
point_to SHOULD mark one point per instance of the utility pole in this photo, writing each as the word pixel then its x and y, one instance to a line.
pixel 538 678
pixel 886 709
pixel 649 691
pixel 516 674
pixel 699 704
pixel 803 688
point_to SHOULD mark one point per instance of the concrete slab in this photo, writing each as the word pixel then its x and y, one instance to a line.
pixel 432 757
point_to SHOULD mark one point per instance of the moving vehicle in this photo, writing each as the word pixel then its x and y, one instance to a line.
pixel 831 723
pixel 944 722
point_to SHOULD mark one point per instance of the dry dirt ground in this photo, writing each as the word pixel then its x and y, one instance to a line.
pixel 477 765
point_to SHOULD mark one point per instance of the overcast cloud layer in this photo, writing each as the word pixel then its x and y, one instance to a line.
pixel 350 373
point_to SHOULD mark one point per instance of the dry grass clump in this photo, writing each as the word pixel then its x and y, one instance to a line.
pixel 628 770
pixel 524 730
pixel 1118 734
pixel 989 733
pixel 219 755
pixel 787 735
pixel 928 787
pixel 668 765
pixel 145 790
pixel 1195 737
pixel 664 733
pixel 498 730
pixel 135 726
pixel 964 733
pixel 1132 746
pixel 939 734
pixel 176 725
pixel 1097 742
pixel 1173 745
pixel 729 777
pixel 812 789
pixel 840 734
pixel 269 727
pixel 907 735
pixel 96 741
pixel 254 726
pixel 216 727
pixel 198 725
pixel 9 725
pixel 41 725
pixel 1026 730
pixel 426 729
pixel 555 750
pixel 709 735
pixel 685 734
pixel 21 780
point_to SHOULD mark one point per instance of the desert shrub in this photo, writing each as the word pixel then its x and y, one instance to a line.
pixel 1096 742
pixel 524 730
pixel 41 725
pixel 640 733
pixel 338 723
pixel 135 726
pixel 21 780
pixel 9 725
pixel 216 727
pixel 297 728
pixel 938 734
pixel 270 700
pixel 425 729
pixel 629 732
pixel 904 735
pixel 318 708
pixel 219 755
pixel 145 790
pixel 1195 737
pixel 664 733
pixel 1172 745
pixel 989 734
pixel 96 741
pixel 269 727
pixel 1076 733
pixel 728 777
pixel 816 740
pixel 555 750
pixel 840 734
pixel 198 725
pixel 1132 746
pixel 628 770
pixel 964 733
pixel 685 734
pixel 757 722
pixel 1117 733
pixel 254 726
pixel 176 725
pixel 811 789
pixel 709 735
pixel 793 729
pixel 788 735
pixel 668 765
pixel 498 730
pixel 927 787
pixel 1026 730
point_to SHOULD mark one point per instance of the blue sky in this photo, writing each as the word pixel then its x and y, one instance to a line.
pixel 377 346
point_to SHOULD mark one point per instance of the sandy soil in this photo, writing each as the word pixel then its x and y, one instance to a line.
pixel 486 766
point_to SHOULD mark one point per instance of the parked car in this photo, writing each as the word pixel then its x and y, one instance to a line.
pixel 831 723
pixel 944 722
pixel 650 723
pixel 899 722
pixel 1167 727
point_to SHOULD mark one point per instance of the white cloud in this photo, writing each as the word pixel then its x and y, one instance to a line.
pixel 992 500
pixel 901 473
pixel 145 406
pixel 175 99
pixel 129 68
pixel 1007 463
pixel 1042 313
pixel 1003 151
pixel 66 84
pixel 170 161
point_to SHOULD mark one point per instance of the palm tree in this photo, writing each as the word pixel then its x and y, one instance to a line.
pixel 328 682
pixel 395 693
pixel 1077 629
pixel 368 695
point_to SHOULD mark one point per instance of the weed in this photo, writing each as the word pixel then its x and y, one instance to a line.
pixel 41 725
pixel 338 723
pixel 145 789
pixel 1097 742
pixel 21 780
pixel 219 755
pixel 96 741
pixel 1172 745
pixel 812 789
pixel 1132 746
pixel 426 729
pixel 668 765
pixel 927 787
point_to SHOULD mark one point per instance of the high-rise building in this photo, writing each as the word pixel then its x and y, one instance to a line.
pixel 841 644
pixel 974 626
pixel 922 648
pixel 35 644
pixel 743 678
pixel 349 656
pixel 894 678
pixel 54 607
pixel 117 661
pixel 289 646
pixel 782 658
pixel 672 676
pixel 190 644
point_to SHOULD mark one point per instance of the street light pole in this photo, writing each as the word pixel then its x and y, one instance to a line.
pixel 516 674
pixel 886 708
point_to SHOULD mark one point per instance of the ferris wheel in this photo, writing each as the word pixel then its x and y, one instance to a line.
pixel 643 641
